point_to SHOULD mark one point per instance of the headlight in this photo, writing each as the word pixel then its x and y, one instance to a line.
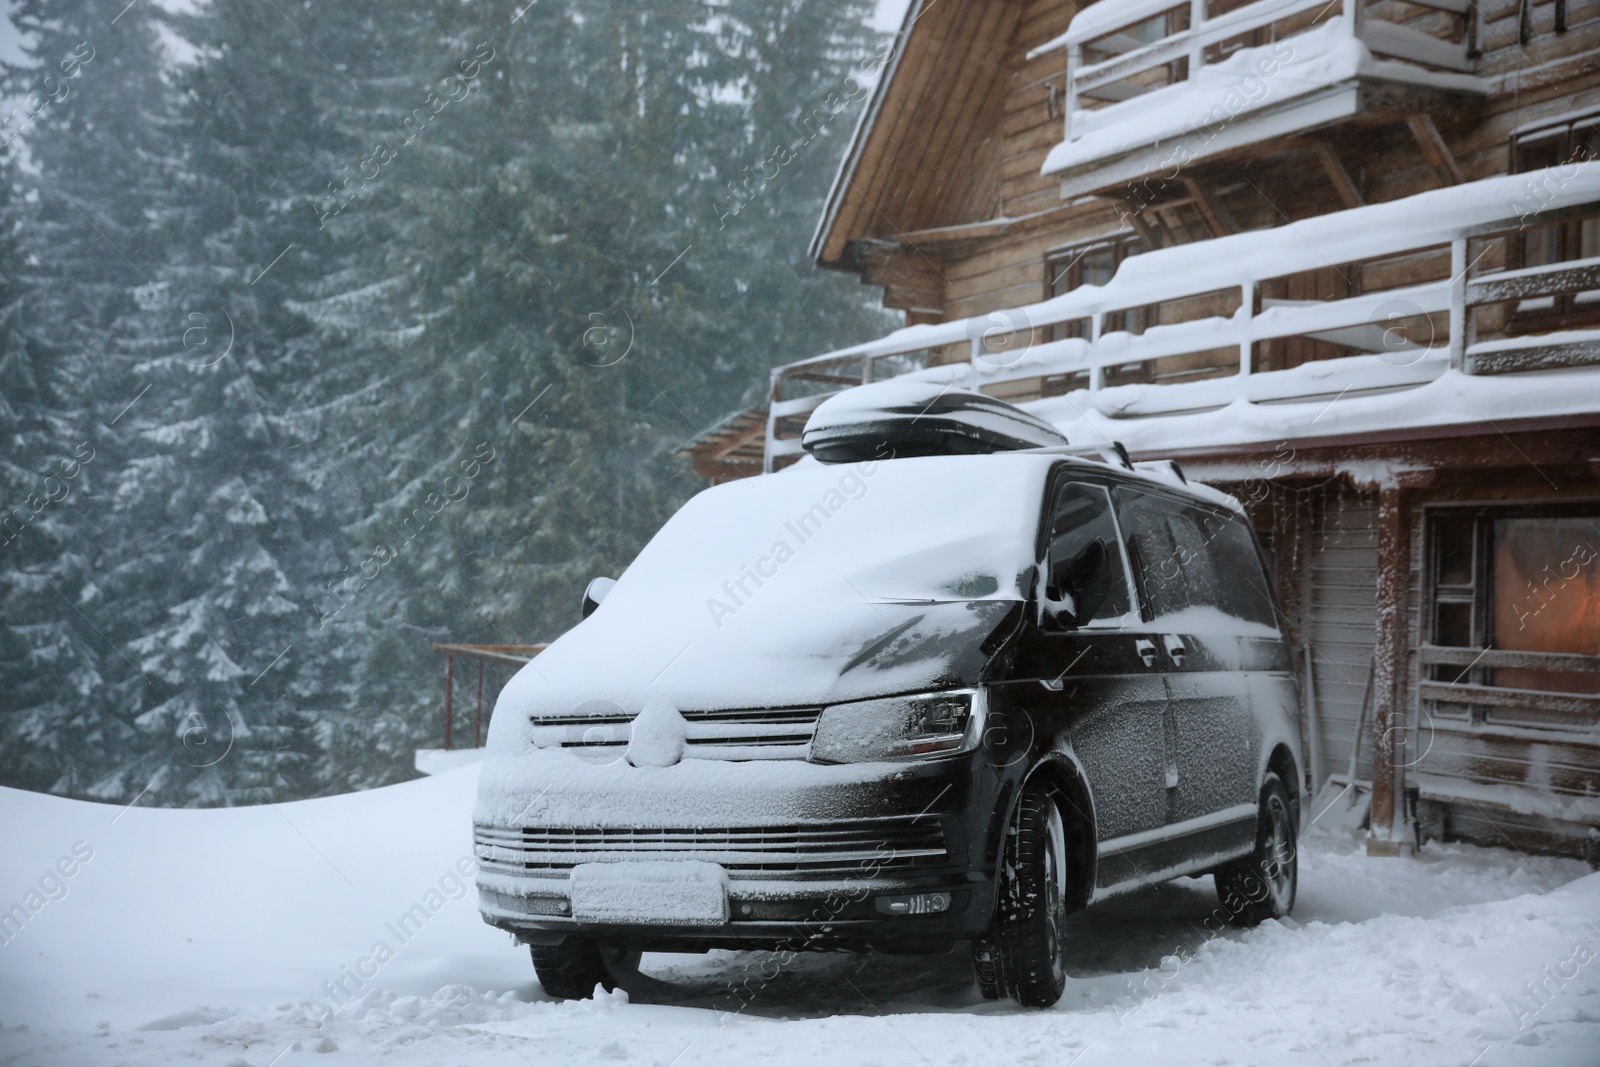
pixel 900 728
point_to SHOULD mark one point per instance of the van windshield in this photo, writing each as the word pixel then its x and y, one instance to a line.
pixel 940 528
pixel 771 590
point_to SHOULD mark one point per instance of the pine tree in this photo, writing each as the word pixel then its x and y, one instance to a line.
pixel 92 97
pixel 244 483
pixel 51 717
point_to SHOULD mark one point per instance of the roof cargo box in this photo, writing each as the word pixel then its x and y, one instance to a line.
pixel 900 419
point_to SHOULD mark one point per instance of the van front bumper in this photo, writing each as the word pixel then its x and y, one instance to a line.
pixel 911 832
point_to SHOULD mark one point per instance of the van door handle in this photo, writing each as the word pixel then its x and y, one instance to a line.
pixel 1147 651
pixel 1174 647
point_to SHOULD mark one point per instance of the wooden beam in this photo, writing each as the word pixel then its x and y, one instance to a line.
pixel 1349 195
pixel 1495 657
pixel 1388 679
pixel 1433 146
pixel 1533 356
pixel 1581 709
pixel 1575 277
pixel 1147 233
pixel 506 655
pixel 1217 217
pixel 969 231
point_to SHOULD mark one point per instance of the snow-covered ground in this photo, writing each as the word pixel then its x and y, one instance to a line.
pixel 215 937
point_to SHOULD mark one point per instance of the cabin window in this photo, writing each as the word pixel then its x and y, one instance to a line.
pixel 1539 18
pixel 1093 263
pixel 1575 140
pixel 1514 615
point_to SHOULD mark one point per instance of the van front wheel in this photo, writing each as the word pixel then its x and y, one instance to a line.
pixel 1032 949
pixel 573 968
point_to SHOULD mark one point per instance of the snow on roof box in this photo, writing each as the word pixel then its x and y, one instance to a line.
pixel 913 418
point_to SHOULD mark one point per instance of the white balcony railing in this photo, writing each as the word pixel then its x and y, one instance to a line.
pixel 1140 73
pixel 1476 310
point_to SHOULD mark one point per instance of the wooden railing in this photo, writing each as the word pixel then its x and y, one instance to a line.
pixel 1448 294
pixel 1118 51
pixel 499 655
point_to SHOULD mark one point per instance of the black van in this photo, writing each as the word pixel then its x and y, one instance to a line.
pixel 900 703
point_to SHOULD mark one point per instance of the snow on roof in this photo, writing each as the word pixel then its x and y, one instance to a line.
pixel 1452 399
pixel 1383 393
pixel 1251 80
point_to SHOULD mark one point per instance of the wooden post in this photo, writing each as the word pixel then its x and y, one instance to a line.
pixel 1247 346
pixel 1458 303
pixel 1390 666
pixel 1354 15
pixel 1197 18
pixel 449 693
pixel 477 722
pixel 1097 373
pixel 1074 63
pixel 1389 651
pixel 773 394
pixel 1311 728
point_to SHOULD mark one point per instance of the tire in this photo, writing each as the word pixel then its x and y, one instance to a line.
pixel 987 968
pixel 572 969
pixel 1262 885
pixel 1031 932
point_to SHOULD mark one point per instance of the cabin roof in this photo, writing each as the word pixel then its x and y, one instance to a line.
pixel 940 94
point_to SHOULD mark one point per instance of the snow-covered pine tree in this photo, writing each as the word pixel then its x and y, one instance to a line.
pixel 52 709
pixel 247 478
pixel 91 98
pixel 810 68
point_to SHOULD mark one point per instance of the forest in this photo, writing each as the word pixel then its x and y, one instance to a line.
pixel 329 331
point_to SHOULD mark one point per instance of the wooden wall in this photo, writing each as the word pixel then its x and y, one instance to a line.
pixel 1552 75
pixel 1549 76
pixel 1010 270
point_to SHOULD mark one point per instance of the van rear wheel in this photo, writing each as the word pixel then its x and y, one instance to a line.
pixel 1030 939
pixel 572 969
pixel 1262 885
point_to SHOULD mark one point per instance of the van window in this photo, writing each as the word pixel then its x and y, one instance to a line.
pixel 1082 515
pixel 1192 557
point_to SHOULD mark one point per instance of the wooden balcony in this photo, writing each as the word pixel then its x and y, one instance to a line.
pixel 1374 300
pixel 1152 86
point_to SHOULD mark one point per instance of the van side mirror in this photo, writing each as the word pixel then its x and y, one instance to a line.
pixel 1081 585
pixel 596 592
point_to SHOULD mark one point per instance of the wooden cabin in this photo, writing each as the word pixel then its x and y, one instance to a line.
pixel 1340 259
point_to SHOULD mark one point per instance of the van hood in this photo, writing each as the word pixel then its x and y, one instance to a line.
pixel 818 585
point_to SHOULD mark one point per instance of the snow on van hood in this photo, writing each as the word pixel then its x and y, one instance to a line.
pixel 819 584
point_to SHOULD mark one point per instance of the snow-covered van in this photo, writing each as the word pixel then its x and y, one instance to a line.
pixel 900 703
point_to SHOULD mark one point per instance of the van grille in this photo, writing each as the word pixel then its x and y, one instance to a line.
pixel 836 848
pixel 743 734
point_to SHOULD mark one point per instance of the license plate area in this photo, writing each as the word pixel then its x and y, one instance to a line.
pixel 650 892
